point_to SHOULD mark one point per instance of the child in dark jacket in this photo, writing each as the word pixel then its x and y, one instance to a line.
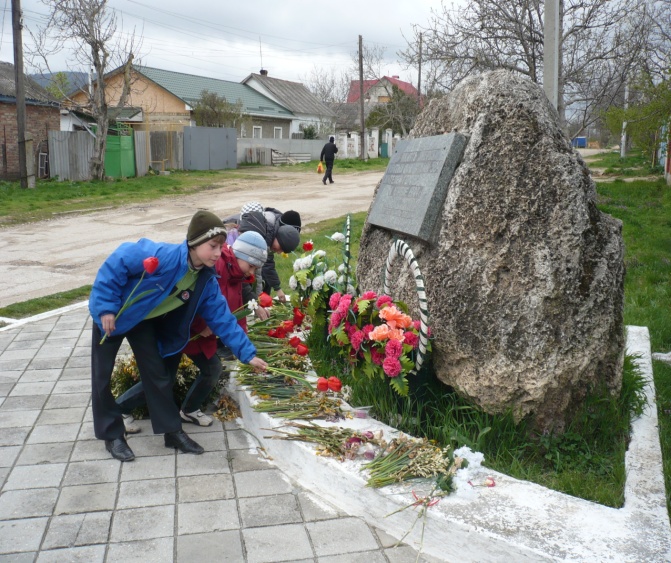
pixel 157 326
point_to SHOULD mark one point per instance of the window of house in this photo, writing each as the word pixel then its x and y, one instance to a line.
pixel 257 132
pixel 277 132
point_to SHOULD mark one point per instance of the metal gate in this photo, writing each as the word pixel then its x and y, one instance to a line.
pixel 210 148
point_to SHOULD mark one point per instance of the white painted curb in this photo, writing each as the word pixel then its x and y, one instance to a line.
pixel 513 521
pixel 13 323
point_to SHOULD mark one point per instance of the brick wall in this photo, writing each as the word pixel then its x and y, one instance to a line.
pixel 39 120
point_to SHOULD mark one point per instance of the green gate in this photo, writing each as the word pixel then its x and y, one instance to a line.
pixel 120 156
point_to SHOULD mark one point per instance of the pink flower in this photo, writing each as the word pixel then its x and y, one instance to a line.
pixel 376 356
pixel 333 301
pixel 411 338
pixel 366 330
pixel 392 367
pixel 345 301
pixel 356 338
pixel 379 333
pixel 416 325
pixel 369 295
pixel 336 319
pixel 393 349
pixel 383 300
pixel 395 318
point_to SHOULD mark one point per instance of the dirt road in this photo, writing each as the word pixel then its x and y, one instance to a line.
pixel 65 252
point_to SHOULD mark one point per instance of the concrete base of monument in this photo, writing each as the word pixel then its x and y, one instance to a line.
pixel 513 521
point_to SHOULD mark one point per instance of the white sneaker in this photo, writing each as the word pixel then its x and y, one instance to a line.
pixel 129 424
pixel 196 417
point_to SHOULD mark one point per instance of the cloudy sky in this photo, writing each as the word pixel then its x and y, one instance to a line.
pixel 230 39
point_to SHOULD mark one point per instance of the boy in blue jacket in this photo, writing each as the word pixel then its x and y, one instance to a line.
pixel 157 326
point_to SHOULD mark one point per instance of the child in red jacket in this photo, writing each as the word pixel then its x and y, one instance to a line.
pixel 235 266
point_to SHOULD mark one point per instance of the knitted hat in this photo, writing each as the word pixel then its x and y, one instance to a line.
pixel 288 238
pixel 251 206
pixel 291 218
pixel 251 247
pixel 203 227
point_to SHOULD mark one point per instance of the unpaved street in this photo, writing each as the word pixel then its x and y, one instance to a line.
pixel 63 253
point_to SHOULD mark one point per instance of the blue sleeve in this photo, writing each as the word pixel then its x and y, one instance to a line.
pixel 214 309
pixel 112 278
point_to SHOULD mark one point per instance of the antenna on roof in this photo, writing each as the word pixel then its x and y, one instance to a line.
pixel 261 52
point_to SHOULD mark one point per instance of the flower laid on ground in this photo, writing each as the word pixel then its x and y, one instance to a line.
pixel 308 246
pixel 375 335
pixel 337 237
pixel 150 265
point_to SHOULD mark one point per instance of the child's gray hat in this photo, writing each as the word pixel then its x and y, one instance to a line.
pixel 251 247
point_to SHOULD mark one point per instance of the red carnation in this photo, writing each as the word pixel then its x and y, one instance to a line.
pixel 322 384
pixel 294 341
pixel 334 384
pixel 265 300
pixel 302 350
pixel 392 367
pixel 150 264
pixel 308 246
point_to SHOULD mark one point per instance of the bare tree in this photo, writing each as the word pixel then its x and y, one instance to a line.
pixel 329 86
pixel 88 30
pixel 602 41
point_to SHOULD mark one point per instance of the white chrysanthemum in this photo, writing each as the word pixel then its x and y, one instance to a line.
pixel 338 237
pixel 308 282
pixel 298 264
pixel 341 268
pixel 252 305
pixel 320 253
pixel 307 262
pixel 330 276
pixel 341 279
pixel 318 283
pixel 293 283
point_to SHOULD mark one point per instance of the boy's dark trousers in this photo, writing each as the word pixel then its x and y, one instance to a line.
pixel 157 376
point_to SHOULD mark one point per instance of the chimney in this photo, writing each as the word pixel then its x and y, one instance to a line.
pixel 395 76
pixel 263 72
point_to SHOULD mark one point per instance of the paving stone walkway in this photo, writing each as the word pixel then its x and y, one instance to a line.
pixel 63 498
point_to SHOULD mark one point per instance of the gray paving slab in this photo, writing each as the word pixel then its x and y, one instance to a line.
pixel 36 454
pixel 157 550
pixel 24 403
pixel 288 542
pixel 63 498
pixel 143 523
pixel 214 546
pixel 71 530
pixel 146 492
pixel 87 498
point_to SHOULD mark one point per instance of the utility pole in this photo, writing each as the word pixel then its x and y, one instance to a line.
pixel 20 90
pixel 361 102
pixel 419 74
pixel 551 38
pixel 623 137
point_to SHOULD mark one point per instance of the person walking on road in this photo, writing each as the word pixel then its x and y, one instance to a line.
pixel 328 156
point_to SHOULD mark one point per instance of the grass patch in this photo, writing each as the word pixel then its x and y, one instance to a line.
pixel 42 304
pixel 633 165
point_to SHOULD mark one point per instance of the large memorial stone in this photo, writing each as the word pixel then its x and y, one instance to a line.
pixel 412 192
pixel 525 279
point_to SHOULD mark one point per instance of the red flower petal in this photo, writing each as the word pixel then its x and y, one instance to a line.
pixel 294 341
pixel 150 264
pixel 334 384
pixel 322 384
pixel 265 300
pixel 302 350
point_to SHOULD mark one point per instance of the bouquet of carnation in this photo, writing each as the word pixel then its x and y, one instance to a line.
pixel 376 335
pixel 313 280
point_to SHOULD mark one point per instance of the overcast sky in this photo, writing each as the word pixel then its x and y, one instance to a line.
pixel 230 39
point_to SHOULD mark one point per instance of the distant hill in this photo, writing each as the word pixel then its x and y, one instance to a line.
pixel 76 79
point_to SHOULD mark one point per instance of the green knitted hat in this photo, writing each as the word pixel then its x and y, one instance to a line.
pixel 203 227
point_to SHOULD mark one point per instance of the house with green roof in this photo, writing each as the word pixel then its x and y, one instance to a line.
pixel 168 99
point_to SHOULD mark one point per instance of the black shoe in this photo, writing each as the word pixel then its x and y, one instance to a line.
pixel 119 449
pixel 181 441
pixel 331 182
pixel 324 182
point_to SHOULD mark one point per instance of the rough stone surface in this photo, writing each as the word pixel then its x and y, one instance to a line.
pixel 525 282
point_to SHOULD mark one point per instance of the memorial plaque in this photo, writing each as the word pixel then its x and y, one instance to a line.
pixel 414 187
